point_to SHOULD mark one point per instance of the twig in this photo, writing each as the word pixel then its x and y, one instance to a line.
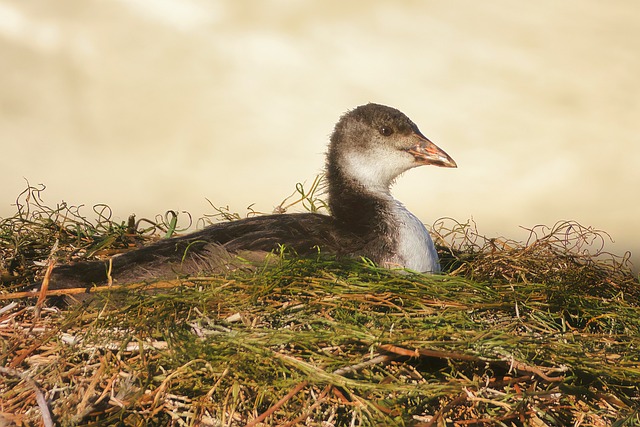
pixel 42 295
pixel 96 289
pixel 535 370
pixel 389 348
pixel 374 361
pixel 278 404
pixel 461 356
pixel 321 398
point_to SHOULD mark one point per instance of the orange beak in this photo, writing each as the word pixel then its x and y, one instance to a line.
pixel 428 153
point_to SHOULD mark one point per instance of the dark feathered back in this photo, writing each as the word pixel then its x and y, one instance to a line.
pixel 211 247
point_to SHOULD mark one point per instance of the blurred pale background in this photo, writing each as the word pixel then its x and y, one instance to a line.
pixel 150 105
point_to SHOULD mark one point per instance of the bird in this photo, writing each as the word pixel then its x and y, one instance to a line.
pixel 371 145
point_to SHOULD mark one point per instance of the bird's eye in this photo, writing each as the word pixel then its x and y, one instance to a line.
pixel 385 130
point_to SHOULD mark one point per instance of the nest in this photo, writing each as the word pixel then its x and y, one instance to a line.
pixel 540 333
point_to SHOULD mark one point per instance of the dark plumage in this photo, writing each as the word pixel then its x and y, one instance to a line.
pixel 370 146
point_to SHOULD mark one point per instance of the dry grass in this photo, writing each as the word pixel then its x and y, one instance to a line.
pixel 541 333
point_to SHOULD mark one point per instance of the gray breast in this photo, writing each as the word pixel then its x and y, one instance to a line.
pixel 415 249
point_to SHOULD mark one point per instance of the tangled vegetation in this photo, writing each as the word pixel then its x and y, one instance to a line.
pixel 540 333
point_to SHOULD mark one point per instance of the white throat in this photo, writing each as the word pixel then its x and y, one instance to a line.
pixel 375 170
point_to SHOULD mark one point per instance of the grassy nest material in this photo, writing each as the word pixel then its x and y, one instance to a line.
pixel 540 333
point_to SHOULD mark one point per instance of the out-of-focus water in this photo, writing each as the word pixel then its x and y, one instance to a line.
pixel 156 105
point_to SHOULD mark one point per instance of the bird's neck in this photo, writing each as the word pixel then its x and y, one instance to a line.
pixel 357 204
pixel 363 206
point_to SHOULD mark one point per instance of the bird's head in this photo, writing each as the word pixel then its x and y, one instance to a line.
pixel 374 144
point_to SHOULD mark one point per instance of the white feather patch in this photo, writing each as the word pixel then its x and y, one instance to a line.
pixel 416 250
